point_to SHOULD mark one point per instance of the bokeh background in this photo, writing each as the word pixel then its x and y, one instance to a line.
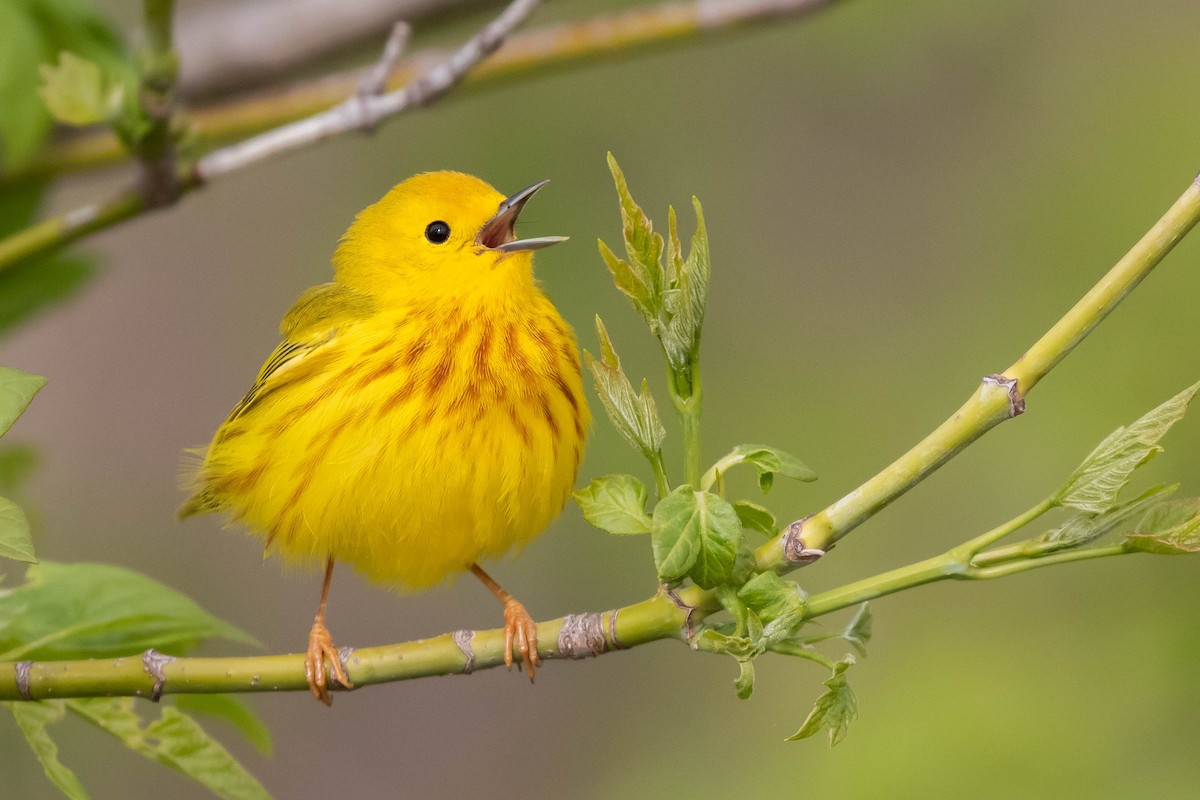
pixel 900 198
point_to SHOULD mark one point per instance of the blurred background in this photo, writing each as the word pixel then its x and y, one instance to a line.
pixel 900 198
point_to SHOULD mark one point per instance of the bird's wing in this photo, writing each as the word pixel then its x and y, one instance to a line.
pixel 313 323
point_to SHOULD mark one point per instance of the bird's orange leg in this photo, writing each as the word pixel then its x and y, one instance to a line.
pixel 320 647
pixel 519 627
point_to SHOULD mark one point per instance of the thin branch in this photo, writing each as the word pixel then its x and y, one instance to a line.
pixel 54 232
pixel 944 567
pixel 536 52
pixel 999 397
pixel 374 82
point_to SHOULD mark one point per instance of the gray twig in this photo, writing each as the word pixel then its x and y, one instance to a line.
pixel 360 113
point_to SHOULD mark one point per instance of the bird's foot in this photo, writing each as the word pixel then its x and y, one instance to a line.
pixel 320 647
pixel 520 629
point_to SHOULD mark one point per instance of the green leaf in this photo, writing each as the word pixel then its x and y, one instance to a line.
pixel 1105 472
pixel 1083 528
pixel 834 710
pixel 33 719
pixel 174 740
pixel 745 564
pixel 771 596
pixel 615 503
pixel 233 711
pixel 674 535
pixel 23 121
pixel 635 416
pixel 15 541
pixel 70 611
pixel 686 296
pixel 858 632
pixel 17 390
pixel 641 277
pixel 76 91
pixel 720 534
pixel 695 534
pixel 631 282
pixel 742 648
pixel 1170 528
pixel 744 685
pixel 756 517
pixel 773 461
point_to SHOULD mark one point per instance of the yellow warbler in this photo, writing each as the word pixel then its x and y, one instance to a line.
pixel 424 410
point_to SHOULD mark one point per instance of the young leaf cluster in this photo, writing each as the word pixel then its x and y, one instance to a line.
pixel 697 535
pixel 1093 491
pixel 1153 521
pixel 74 611
pixel 671 298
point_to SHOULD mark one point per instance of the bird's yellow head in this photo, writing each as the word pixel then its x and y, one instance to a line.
pixel 437 233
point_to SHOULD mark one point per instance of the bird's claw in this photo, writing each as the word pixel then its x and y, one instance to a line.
pixel 320 647
pixel 521 630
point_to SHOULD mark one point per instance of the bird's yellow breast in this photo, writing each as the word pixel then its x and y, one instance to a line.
pixel 414 443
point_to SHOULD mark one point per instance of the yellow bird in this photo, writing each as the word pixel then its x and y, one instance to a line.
pixel 424 411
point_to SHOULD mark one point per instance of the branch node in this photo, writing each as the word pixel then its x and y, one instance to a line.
pixel 688 628
pixel 463 638
pixel 794 549
pixel 613 641
pixel 22 669
pixel 582 636
pixel 153 663
pixel 1016 402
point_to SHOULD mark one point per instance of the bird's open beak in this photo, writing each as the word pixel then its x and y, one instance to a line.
pixel 497 233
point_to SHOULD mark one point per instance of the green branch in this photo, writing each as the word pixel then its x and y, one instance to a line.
pixel 999 397
pixel 663 616
pixel 947 566
pixel 575 636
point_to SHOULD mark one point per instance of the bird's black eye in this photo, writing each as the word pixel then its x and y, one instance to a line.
pixel 437 232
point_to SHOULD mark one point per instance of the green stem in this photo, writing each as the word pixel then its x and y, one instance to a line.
pixel 940 568
pixel 1063 557
pixel 993 402
pixel 689 410
pixel 1030 548
pixel 55 232
pixel 968 550
pixel 158 16
pixel 158 68
pixel 930 570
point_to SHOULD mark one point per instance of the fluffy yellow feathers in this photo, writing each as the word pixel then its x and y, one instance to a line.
pixel 424 411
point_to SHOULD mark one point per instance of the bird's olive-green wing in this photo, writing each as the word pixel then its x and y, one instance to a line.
pixel 312 324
